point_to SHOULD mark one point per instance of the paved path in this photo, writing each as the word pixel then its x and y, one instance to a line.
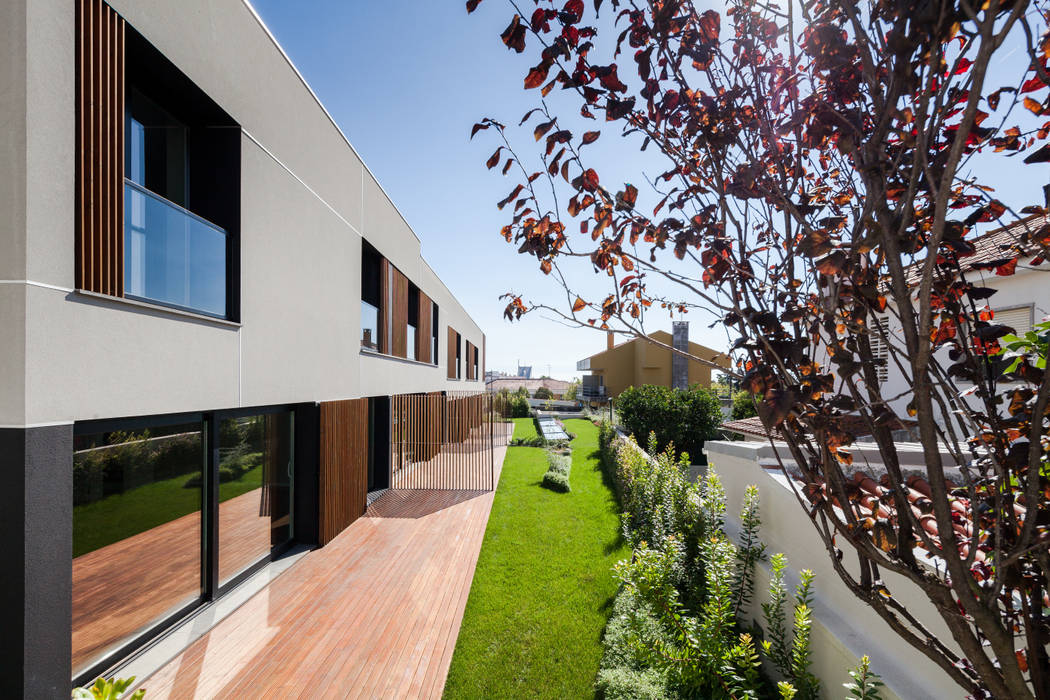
pixel 373 614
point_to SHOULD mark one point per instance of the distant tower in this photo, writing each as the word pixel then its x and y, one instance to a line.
pixel 679 364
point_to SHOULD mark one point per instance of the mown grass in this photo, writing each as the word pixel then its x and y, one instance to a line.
pixel 524 428
pixel 543 586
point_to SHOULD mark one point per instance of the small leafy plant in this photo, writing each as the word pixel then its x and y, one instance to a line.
pixel 108 689
pixel 557 476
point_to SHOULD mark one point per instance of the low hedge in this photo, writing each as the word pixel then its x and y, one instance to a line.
pixel 557 476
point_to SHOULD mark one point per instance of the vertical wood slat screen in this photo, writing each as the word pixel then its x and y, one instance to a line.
pixel 424 331
pixel 99 218
pixel 451 353
pixel 384 306
pixel 444 442
pixel 470 360
pixel 344 466
pixel 399 312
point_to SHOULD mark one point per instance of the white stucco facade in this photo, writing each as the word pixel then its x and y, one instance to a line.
pixel 307 201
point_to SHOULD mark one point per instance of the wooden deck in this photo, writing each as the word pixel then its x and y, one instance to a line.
pixel 375 613
pixel 122 588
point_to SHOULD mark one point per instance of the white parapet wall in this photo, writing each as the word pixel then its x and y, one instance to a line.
pixel 844 627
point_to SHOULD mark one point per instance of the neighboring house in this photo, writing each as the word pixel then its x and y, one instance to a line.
pixel 639 362
pixel 212 317
pixel 1020 299
pixel 558 387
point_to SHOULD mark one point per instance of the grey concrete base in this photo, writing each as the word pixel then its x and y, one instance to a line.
pixel 36 583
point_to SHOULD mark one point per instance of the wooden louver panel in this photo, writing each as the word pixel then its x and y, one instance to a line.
pixel 344 466
pixel 424 332
pixel 443 441
pixel 399 312
pixel 99 220
pixel 451 353
pixel 470 360
pixel 384 306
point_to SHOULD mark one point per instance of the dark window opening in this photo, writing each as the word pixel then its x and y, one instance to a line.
pixel 371 297
pixel 434 334
pixel 413 321
pixel 476 376
pixel 181 189
pixel 459 363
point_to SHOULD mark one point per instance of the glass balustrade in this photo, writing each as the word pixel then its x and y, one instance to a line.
pixel 171 255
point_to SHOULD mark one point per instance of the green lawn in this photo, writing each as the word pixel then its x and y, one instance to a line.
pixel 543 585
pixel 524 428
pixel 122 515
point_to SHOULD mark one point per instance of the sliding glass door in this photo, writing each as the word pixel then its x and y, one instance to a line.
pixel 255 481
pixel 168 511
pixel 136 532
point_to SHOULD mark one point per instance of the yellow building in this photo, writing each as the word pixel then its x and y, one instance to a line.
pixel 638 361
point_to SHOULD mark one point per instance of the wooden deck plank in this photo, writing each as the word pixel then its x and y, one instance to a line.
pixel 375 613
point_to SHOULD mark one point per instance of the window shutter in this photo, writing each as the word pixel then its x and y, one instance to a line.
pixel 1020 319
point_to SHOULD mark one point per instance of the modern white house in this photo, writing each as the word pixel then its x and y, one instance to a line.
pixel 217 326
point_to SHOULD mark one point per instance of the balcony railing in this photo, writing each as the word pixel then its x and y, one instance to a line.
pixel 592 392
pixel 583 365
pixel 171 255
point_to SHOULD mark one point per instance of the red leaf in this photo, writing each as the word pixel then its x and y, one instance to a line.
pixel 578 305
pixel 542 129
pixel 964 65
pixel 1040 156
pixel 472 5
pixel 1033 106
pixel 514 35
pixel 537 75
pixel 478 127
pixel 493 159
pixel 512 195
pixel 591 137
pixel 1032 84
pixel 625 200
pixel 590 179
pixel 1007 269
pixel 510 162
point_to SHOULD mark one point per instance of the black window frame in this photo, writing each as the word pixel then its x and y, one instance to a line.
pixel 212 171
pixel 211 591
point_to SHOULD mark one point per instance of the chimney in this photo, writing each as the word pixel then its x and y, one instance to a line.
pixel 679 364
pixel 610 340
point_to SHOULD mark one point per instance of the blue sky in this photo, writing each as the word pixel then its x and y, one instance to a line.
pixel 406 80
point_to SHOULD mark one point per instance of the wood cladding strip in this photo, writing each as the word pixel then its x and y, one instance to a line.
pixel 399 312
pixel 99 166
pixel 451 352
pixel 424 331
pixel 344 466
pixel 442 442
pixel 384 306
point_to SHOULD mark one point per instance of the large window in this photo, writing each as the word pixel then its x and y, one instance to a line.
pixel 136 532
pixel 161 523
pixel 181 188
pixel 371 298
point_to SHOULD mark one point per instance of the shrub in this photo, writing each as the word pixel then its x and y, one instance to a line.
pixel 519 406
pixel 743 405
pixel 685 418
pixel 534 441
pixel 111 689
pixel 557 476
pixel 618 683
pixel 543 393
pixel 687 589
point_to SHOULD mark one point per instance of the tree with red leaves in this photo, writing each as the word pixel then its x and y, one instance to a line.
pixel 818 196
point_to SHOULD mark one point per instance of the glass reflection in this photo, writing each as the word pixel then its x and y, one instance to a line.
pixel 136 533
pixel 255 470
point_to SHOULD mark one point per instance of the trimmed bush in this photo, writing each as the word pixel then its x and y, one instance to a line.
pixel 557 476
pixel 683 418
